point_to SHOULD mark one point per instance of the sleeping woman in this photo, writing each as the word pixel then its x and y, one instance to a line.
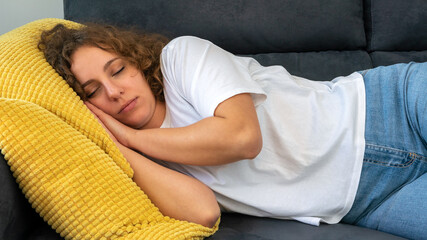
pixel 208 131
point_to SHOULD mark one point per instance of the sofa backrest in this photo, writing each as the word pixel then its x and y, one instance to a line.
pixel 316 39
pixel 242 27
pixel 396 25
pixel 396 31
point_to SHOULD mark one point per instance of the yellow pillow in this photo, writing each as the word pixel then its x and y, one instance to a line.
pixel 65 163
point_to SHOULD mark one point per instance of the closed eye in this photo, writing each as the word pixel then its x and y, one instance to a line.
pixel 120 70
pixel 92 93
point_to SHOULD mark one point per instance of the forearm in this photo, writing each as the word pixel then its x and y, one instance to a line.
pixel 211 141
pixel 175 194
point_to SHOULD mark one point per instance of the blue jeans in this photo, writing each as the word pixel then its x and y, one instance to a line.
pixel 392 194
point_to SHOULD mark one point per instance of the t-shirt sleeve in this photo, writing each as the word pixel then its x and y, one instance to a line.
pixel 205 75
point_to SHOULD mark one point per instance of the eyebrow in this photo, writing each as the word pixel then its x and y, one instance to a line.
pixel 107 64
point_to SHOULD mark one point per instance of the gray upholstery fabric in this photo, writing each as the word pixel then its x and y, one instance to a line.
pixel 240 26
pixel 318 66
pixel 13 206
pixel 385 18
pixel 17 219
pixel 251 27
pixel 236 226
pixel 382 58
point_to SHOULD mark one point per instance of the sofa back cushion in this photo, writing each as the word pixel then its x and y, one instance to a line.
pixel 396 25
pixel 242 27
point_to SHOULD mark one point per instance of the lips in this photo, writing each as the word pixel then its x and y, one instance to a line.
pixel 128 106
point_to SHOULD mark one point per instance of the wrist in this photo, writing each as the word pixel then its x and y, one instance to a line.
pixel 132 138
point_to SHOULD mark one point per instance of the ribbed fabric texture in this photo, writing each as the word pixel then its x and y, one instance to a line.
pixel 65 163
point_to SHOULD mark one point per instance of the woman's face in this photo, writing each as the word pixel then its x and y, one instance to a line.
pixel 114 86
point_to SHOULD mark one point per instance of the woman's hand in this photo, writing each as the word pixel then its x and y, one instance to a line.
pixel 118 131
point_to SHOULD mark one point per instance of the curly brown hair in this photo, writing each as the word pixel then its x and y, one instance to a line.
pixel 139 49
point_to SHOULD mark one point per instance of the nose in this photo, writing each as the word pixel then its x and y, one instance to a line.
pixel 113 90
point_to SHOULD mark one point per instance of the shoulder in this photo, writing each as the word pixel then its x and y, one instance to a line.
pixel 186 49
pixel 186 44
pixel 185 40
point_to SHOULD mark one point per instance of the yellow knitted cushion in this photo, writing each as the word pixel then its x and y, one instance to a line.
pixel 65 163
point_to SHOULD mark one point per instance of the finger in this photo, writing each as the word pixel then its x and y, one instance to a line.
pixel 101 115
pixel 96 112
pixel 93 108
pixel 112 125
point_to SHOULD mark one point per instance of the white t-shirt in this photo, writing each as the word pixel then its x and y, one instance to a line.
pixel 313 132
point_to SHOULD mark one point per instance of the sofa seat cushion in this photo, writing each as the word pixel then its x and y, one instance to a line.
pixel 238 226
pixel 381 58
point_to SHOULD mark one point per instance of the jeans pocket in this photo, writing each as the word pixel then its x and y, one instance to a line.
pixel 387 156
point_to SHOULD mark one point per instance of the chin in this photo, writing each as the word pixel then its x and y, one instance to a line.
pixel 138 126
pixel 135 124
pixel 136 120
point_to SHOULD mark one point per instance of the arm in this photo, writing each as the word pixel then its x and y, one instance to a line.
pixel 175 194
pixel 232 134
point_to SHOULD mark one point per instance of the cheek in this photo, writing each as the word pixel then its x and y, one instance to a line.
pixel 138 82
pixel 144 87
pixel 102 105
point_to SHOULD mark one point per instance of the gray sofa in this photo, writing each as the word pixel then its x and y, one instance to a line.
pixel 316 39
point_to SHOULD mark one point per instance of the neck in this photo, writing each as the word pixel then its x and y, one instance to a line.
pixel 158 116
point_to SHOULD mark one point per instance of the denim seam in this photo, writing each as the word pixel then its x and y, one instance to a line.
pixel 419 157
pixel 390 165
pixel 358 220
pixel 380 147
pixel 412 156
